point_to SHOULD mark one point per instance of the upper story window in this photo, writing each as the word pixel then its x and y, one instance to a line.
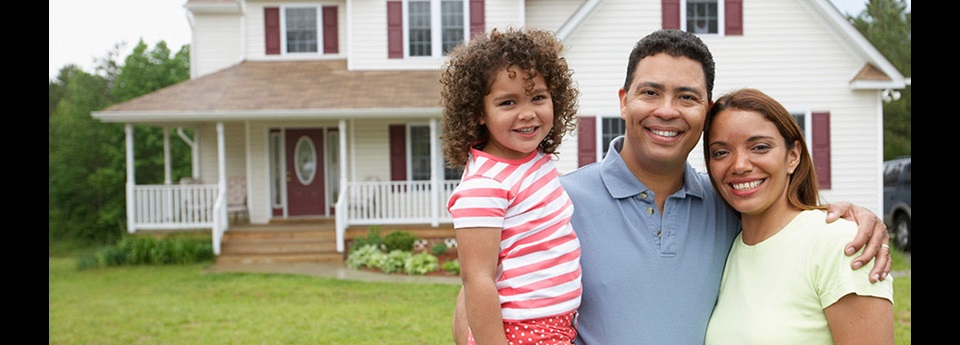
pixel 301 28
pixel 702 16
pixel 434 27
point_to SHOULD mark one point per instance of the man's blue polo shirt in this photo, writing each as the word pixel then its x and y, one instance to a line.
pixel 647 278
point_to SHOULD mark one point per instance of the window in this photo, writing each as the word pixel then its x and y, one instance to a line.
pixel 434 27
pixel 419 157
pixel 300 29
pixel 610 127
pixel 703 16
pixel 802 119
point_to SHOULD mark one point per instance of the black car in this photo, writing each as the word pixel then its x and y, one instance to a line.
pixel 896 200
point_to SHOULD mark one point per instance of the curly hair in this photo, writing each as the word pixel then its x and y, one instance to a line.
pixel 468 76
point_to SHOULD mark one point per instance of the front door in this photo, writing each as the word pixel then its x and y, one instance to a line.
pixel 305 168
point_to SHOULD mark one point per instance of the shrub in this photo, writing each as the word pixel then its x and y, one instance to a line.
pixel 146 250
pixel 452 266
pixel 396 261
pixel 87 261
pixel 373 238
pixel 439 249
pixel 368 255
pixel 421 263
pixel 399 240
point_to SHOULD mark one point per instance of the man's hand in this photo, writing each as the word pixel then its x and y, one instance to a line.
pixel 871 231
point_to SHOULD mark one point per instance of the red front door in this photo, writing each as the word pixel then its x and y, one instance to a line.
pixel 305 179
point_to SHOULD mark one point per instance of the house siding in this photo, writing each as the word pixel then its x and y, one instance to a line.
pixel 785 50
pixel 216 43
pixel 550 14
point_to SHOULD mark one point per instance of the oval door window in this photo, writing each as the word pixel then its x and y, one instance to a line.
pixel 306 160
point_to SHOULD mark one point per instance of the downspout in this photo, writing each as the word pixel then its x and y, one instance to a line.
pixel 577 18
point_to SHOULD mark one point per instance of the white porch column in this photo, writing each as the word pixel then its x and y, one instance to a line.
pixel 437 164
pixel 131 181
pixel 166 156
pixel 221 158
pixel 342 217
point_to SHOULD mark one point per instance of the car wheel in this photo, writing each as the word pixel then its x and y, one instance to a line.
pixel 901 232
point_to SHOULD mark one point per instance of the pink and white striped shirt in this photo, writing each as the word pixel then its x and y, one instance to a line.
pixel 538 270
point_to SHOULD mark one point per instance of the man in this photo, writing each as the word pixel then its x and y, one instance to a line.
pixel 654 234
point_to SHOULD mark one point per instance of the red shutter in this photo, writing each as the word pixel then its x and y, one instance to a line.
pixel 587 140
pixel 670 14
pixel 398 152
pixel 271 28
pixel 395 29
pixel 733 18
pixel 477 18
pixel 821 147
pixel 331 43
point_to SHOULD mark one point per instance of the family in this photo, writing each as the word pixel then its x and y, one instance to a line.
pixel 640 248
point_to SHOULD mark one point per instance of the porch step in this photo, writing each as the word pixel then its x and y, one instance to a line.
pixel 303 240
pixel 287 243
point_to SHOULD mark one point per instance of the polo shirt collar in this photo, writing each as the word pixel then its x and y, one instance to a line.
pixel 620 182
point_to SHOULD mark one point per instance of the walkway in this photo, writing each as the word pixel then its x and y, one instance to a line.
pixel 330 269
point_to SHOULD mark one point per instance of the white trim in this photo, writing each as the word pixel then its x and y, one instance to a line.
pixel 163 116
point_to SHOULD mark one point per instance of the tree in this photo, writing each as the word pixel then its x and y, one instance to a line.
pixel 887 25
pixel 87 161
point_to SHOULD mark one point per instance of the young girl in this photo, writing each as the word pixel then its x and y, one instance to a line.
pixel 508 100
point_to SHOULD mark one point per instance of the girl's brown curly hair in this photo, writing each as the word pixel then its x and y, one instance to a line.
pixel 469 74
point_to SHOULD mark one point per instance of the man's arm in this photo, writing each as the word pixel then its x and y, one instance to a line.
pixel 871 231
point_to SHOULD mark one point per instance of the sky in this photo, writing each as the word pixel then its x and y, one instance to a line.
pixel 82 31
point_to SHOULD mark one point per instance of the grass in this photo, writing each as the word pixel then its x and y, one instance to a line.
pixel 182 304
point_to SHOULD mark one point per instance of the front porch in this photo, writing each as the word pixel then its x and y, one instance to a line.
pixel 390 205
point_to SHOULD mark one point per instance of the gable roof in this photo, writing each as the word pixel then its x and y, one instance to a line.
pixel 286 90
pixel 879 72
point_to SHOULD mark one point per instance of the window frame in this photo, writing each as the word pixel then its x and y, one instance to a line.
pixel 318 8
pixel 603 144
pixel 436 27
pixel 806 126
pixel 721 17
pixel 442 169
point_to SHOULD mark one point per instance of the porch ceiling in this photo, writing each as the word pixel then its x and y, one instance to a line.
pixel 272 89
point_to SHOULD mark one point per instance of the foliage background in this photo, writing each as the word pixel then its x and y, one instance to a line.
pixel 87 162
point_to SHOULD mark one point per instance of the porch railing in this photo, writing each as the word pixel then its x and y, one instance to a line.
pixel 164 207
pixel 202 206
pixel 397 202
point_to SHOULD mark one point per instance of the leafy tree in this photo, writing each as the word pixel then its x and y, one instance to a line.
pixel 887 25
pixel 87 161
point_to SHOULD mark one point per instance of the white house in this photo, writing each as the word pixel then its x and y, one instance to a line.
pixel 330 108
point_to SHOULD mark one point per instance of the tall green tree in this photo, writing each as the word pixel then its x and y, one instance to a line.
pixel 886 24
pixel 87 161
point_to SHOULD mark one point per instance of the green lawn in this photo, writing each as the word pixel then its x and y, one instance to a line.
pixel 183 304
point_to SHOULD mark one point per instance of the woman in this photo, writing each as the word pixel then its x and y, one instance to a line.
pixel 786 279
